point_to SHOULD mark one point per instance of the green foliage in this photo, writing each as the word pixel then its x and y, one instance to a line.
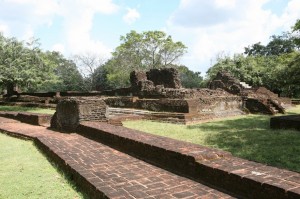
pixel 265 71
pixel 190 79
pixel 23 64
pixel 279 44
pixel 296 30
pixel 275 66
pixel 151 49
pixel 142 51
pixel 248 137
pixel 116 75
pixel 100 77
pixel 66 72
pixel 25 173
pixel 91 68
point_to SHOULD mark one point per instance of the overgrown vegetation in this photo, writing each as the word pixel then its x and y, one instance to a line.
pixel 26 173
pixel 267 65
pixel 248 137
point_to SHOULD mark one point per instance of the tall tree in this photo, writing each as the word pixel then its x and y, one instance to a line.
pixel 142 51
pixel 279 44
pixel 296 31
pixel 268 71
pixel 88 65
pixel 22 64
pixel 66 72
pixel 190 79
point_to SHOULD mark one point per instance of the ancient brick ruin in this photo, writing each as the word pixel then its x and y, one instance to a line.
pixel 256 100
pixel 158 95
pixel 121 154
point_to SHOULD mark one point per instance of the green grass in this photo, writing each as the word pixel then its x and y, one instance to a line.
pixel 27 109
pixel 248 137
pixel 26 173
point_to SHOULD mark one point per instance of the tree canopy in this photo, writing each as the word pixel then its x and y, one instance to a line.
pixel 279 44
pixel 23 64
pixel 142 51
pixel 296 31
pixel 275 65
pixel 68 77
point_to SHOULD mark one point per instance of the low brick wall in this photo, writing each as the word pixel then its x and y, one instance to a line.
pixel 169 153
pixel 83 183
pixel 285 122
pixel 295 101
pixel 30 118
pixel 213 167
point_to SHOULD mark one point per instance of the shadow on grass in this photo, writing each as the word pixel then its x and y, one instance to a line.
pixel 251 138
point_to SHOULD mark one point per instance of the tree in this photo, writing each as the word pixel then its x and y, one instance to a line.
pixel 296 31
pixel 100 79
pixel 190 79
pixel 22 64
pixel 255 49
pixel 67 74
pixel 88 64
pixel 142 51
pixel 291 85
pixel 268 71
pixel 151 49
pixel 279 44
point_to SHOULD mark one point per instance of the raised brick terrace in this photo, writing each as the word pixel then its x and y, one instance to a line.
pixel 100 167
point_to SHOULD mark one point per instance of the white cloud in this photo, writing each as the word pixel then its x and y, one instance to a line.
pixel 78 22
pixel 22 13
pixel 4 28
pixel 131 16
pixel 225 4
pixel 26 16
pixel 211 27
pixel 58 47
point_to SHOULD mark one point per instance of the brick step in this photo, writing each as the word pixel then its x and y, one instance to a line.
pixel 213 167
pixel 30 118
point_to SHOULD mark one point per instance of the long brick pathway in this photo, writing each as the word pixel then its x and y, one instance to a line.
pixel 104 172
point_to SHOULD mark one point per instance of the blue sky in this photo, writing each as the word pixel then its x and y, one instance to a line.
pixel 208 28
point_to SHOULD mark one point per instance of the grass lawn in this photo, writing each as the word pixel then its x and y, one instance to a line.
pixel 248 137
pixel 27 109
pixel 26 173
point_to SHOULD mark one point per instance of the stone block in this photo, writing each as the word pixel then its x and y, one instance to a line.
pixel 71 111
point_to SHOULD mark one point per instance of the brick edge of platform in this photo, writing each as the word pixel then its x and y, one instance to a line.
pixel 217 168
pixel 285 122
pixel 29 118
pixel 82 183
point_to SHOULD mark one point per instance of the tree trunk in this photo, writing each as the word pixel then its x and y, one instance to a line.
pixel 10 89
